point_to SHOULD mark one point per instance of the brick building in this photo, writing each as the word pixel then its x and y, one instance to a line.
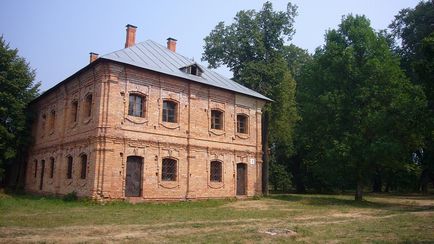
pixel 146 123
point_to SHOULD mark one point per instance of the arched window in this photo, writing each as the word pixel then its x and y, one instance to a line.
pixel 136 106
pixel 242 124
pixel 69 167
pixel 51 167
pixel 168 169
pixel 36 167
pixel 44 122
pixel 88 105
pixel 52 119
pixel 170 111
pixel 83 166
pixel 74 111
pixel 216 171
pixel 216 119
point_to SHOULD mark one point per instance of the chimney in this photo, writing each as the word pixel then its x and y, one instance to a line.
pixel 93 57
pixel 171 44
pixel 131 36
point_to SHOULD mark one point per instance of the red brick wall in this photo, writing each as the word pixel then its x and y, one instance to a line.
pixel 111 135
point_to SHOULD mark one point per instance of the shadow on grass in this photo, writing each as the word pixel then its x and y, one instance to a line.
pixel 337 200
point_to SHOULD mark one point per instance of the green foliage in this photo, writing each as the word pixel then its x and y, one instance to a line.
pixel 414 29
pixel 359 111
pixel 279 177
pixel 253 48
pixel 70 197
pixel 16 91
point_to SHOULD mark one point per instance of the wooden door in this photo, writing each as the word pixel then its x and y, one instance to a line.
pixel 42 174
pixel 133 181
pixel 241 178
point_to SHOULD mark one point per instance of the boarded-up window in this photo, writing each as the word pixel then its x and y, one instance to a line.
pixel 69 167
pixel 242 123
pixel 216 119
pixel 136 106
pixel 169 111
pixel 36 167
pixel 51 167
pixel 74 111
pixel 52 120
pixel 83 166
pixel 168 169
pixel 216 171
pixel 88 106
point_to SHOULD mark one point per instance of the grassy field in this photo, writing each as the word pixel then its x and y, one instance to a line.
pixel 279 218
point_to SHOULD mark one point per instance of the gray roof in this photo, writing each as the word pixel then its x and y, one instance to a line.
pixel 153 56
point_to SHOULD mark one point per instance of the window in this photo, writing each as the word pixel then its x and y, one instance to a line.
pixel 44 122
pixel 216 171
pixel 88 106
pixel 36 168
pixel 169 111
pixel 216 119
pixel 69 170
pixel 242 124
pixel 74 112
pixel 193 69
pixel 83 166
pixel 51 167
pixel 168 170
pixel 136 105
pixel 52 119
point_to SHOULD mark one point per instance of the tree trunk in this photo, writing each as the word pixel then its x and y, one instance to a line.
pixel 297 174
pixel 424 181
pixel 377 182
pixel 359 190
pixel 265 154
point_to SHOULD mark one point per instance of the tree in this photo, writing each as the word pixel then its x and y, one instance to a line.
pixel 16 91
pixel 359 111
pixel 252 48
pixel 414 29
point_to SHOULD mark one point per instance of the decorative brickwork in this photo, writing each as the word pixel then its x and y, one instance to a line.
pixel 95 125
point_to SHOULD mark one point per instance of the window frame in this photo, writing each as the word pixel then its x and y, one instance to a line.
pixel 165 112
pixel 246 123
pixel 221 118
pixel 74 111
pixel 87 112
pixel 52 162
pixel 83 166
pixel 69 166
pixel 216 177
pixel 133 112
pixel 169 176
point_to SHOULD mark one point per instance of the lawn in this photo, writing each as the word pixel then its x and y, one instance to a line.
pixel 279 218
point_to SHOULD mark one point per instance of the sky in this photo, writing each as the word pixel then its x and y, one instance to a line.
pixel 55 37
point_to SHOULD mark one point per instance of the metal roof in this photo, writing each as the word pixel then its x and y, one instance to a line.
pixel 153 56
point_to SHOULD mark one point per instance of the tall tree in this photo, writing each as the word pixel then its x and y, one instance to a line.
pixel 16 91
pixel 359 111
pixel 413 29
pixel 252 48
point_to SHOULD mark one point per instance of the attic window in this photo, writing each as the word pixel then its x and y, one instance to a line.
pixel 193 69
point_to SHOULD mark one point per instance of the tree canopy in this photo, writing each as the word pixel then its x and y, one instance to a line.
pixel 359 111
pixel 16 91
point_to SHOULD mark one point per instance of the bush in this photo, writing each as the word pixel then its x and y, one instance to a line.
pixel 70 197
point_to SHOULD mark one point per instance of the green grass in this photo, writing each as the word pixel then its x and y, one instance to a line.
pixel 314 218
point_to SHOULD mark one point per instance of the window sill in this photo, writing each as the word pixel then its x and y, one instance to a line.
pixel 169 184
pixel 87 120
pixel 136 120
pixel 217 132
pixel 242 135
pixel 216 184
pixel 170 125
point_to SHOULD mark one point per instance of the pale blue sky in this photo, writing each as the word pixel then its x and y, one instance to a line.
pixel 57 36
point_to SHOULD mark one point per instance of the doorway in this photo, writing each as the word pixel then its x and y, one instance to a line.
pixel 133 180
pixel 241 178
